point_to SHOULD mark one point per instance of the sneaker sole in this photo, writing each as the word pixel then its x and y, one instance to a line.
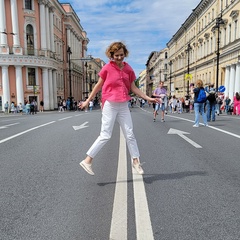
pixel 141 173
pixel 84 167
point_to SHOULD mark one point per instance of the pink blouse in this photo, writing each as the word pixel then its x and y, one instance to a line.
pixel 117 82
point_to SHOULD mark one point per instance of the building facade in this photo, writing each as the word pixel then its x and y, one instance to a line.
pixel 157 70
pixel 207 47
pixel 35 37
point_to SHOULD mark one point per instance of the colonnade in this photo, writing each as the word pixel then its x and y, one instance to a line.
pixel 49 81
pixel 232 80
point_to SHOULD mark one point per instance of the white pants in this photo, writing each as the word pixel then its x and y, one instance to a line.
pixel 110 112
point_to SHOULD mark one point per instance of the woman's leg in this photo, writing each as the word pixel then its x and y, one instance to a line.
pixel 125 121
pixel 204 117
pixel 109 113
pixel 196 110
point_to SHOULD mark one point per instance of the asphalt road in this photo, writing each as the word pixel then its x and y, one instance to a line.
pixel 190 189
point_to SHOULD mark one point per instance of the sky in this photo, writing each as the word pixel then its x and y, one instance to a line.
pixel 143 25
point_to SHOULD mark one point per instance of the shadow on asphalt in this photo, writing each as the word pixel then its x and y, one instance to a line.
pixel 150 178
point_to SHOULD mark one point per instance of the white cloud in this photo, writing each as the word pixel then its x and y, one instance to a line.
pixel 145 26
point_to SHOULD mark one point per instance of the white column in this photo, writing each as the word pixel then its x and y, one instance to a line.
pixel 47 27
pixel 45 89
pixel 5 85
pixel 19 85
pixel 232 81
pixel 237 79
pixel 51 30
pixel 14 15
pixel 50 79
pixel 43 27
pixel 55 89
pixel 3 37
pixel 227 80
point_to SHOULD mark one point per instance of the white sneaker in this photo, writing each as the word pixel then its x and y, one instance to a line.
pixel 87 167
pixel 138 167
pixel 195 125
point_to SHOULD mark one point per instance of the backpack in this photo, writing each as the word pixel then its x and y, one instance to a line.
pixel 211 97
pixel 202 97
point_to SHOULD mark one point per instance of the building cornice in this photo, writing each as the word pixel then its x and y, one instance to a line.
pixel 8 60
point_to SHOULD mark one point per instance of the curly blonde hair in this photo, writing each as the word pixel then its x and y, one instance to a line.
pixel 199 83
pixel 114 47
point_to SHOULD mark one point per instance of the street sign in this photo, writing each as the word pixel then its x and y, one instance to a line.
pixel 188 76
pixel 221 89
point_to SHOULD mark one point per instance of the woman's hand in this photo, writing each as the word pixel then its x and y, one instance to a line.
pixel 84 104
pixel 155 100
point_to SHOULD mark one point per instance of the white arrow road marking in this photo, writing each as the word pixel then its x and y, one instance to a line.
pixel 81 126
pixel 6 126
pixel 181 134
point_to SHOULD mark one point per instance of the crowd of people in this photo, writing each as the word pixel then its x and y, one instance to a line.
pixel 216 102
pixel 67 105
pixel 29 107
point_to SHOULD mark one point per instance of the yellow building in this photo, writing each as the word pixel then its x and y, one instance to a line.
pixel 207 47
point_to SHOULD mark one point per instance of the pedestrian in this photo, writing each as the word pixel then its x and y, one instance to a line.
pixel 199 106
pixel 20 108
pixel 236 104
pixel 161 93
pixel 6 107
pixel 13 110
pixel 41 105
pixel 116 79
pixel 227 102
pixel 90 105
pixel 211 102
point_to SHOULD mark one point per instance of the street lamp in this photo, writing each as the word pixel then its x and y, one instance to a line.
pixel 70 77
pixel 219 22
pixel 189 48
pixel 170 77
pixel 86 87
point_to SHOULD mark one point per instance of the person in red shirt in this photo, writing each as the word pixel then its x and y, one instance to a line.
pixel 116 79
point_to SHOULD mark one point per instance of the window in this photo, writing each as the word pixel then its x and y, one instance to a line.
pixel 30 40
pixel 28 4
pixel 31 77
pixel 166 55
pixel 229 33
pixel 225 37
pixel 235 29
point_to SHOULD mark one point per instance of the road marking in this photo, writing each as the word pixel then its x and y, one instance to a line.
pixel 181 134
pixel 21 133
pixel 80 126
pixel 143 222
pixel 6 126
pixel 64 118
pixel 118 229
pixel 188 120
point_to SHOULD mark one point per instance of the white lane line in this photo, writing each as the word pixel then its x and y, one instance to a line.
pixel 61 119
pixel 143 222
pixel 118 229
pixel 6 126
pixel 21 133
